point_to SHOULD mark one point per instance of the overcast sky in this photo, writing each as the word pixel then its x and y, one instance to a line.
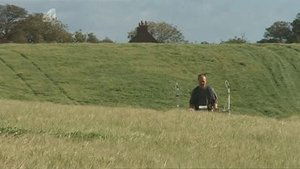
pixel 199 20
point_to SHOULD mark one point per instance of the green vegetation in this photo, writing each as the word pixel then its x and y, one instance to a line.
pixel 18 26
pixel 264 78
pixel 46 135
pixel 283 32
pixel 162 32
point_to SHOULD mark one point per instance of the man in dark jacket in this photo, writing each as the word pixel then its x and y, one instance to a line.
pixel 203 96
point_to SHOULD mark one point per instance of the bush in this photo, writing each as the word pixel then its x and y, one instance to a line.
pixel 236 40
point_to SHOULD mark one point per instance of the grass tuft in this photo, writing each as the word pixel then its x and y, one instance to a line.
pixel 12 131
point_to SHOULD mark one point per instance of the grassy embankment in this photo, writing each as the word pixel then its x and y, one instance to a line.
pixel 46 135
pixel 264 78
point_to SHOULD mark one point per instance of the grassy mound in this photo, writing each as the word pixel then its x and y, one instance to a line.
pixel 264 78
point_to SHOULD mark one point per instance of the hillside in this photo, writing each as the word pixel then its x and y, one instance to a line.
pixel 265 79
pixel 46 135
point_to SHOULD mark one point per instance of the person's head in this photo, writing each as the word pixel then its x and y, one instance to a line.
pixel 202 80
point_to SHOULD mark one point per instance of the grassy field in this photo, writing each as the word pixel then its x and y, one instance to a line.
pixel 264 78
pixel 113 106
pixel 47 135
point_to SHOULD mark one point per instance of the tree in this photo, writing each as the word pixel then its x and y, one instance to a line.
pixel 296 28
pixel 56 31
pixel 107 40
pixel 10 15
pixel 280 31
pixel 268 41
pixel 92 38
pixel 30 28
pixel 162 32
pixel 35 29
pixel 79 36
pixel 236 39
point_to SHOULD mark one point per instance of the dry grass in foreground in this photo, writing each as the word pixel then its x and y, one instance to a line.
pixel 45 135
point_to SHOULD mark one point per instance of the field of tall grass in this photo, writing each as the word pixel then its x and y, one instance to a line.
pixel 114 106
pixel 47 135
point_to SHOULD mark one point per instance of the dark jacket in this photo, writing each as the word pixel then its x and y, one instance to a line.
pixel 203 97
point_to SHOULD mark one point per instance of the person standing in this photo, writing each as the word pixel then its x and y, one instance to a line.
pixel 203 95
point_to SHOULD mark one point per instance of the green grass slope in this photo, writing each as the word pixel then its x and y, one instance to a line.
pixel 265 79
pixel 46 135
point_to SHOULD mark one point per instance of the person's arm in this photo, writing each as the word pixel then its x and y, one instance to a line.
pixel 214 99
pixel 215 106
pixel 192 106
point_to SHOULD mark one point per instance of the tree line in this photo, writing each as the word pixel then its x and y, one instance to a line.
pixel 283 32
pixel 278 32
pixel 18 26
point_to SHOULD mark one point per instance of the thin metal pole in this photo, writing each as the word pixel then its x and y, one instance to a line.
pixel 228 92
pixel 177 93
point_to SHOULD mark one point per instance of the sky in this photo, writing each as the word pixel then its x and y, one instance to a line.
pixel 198 20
